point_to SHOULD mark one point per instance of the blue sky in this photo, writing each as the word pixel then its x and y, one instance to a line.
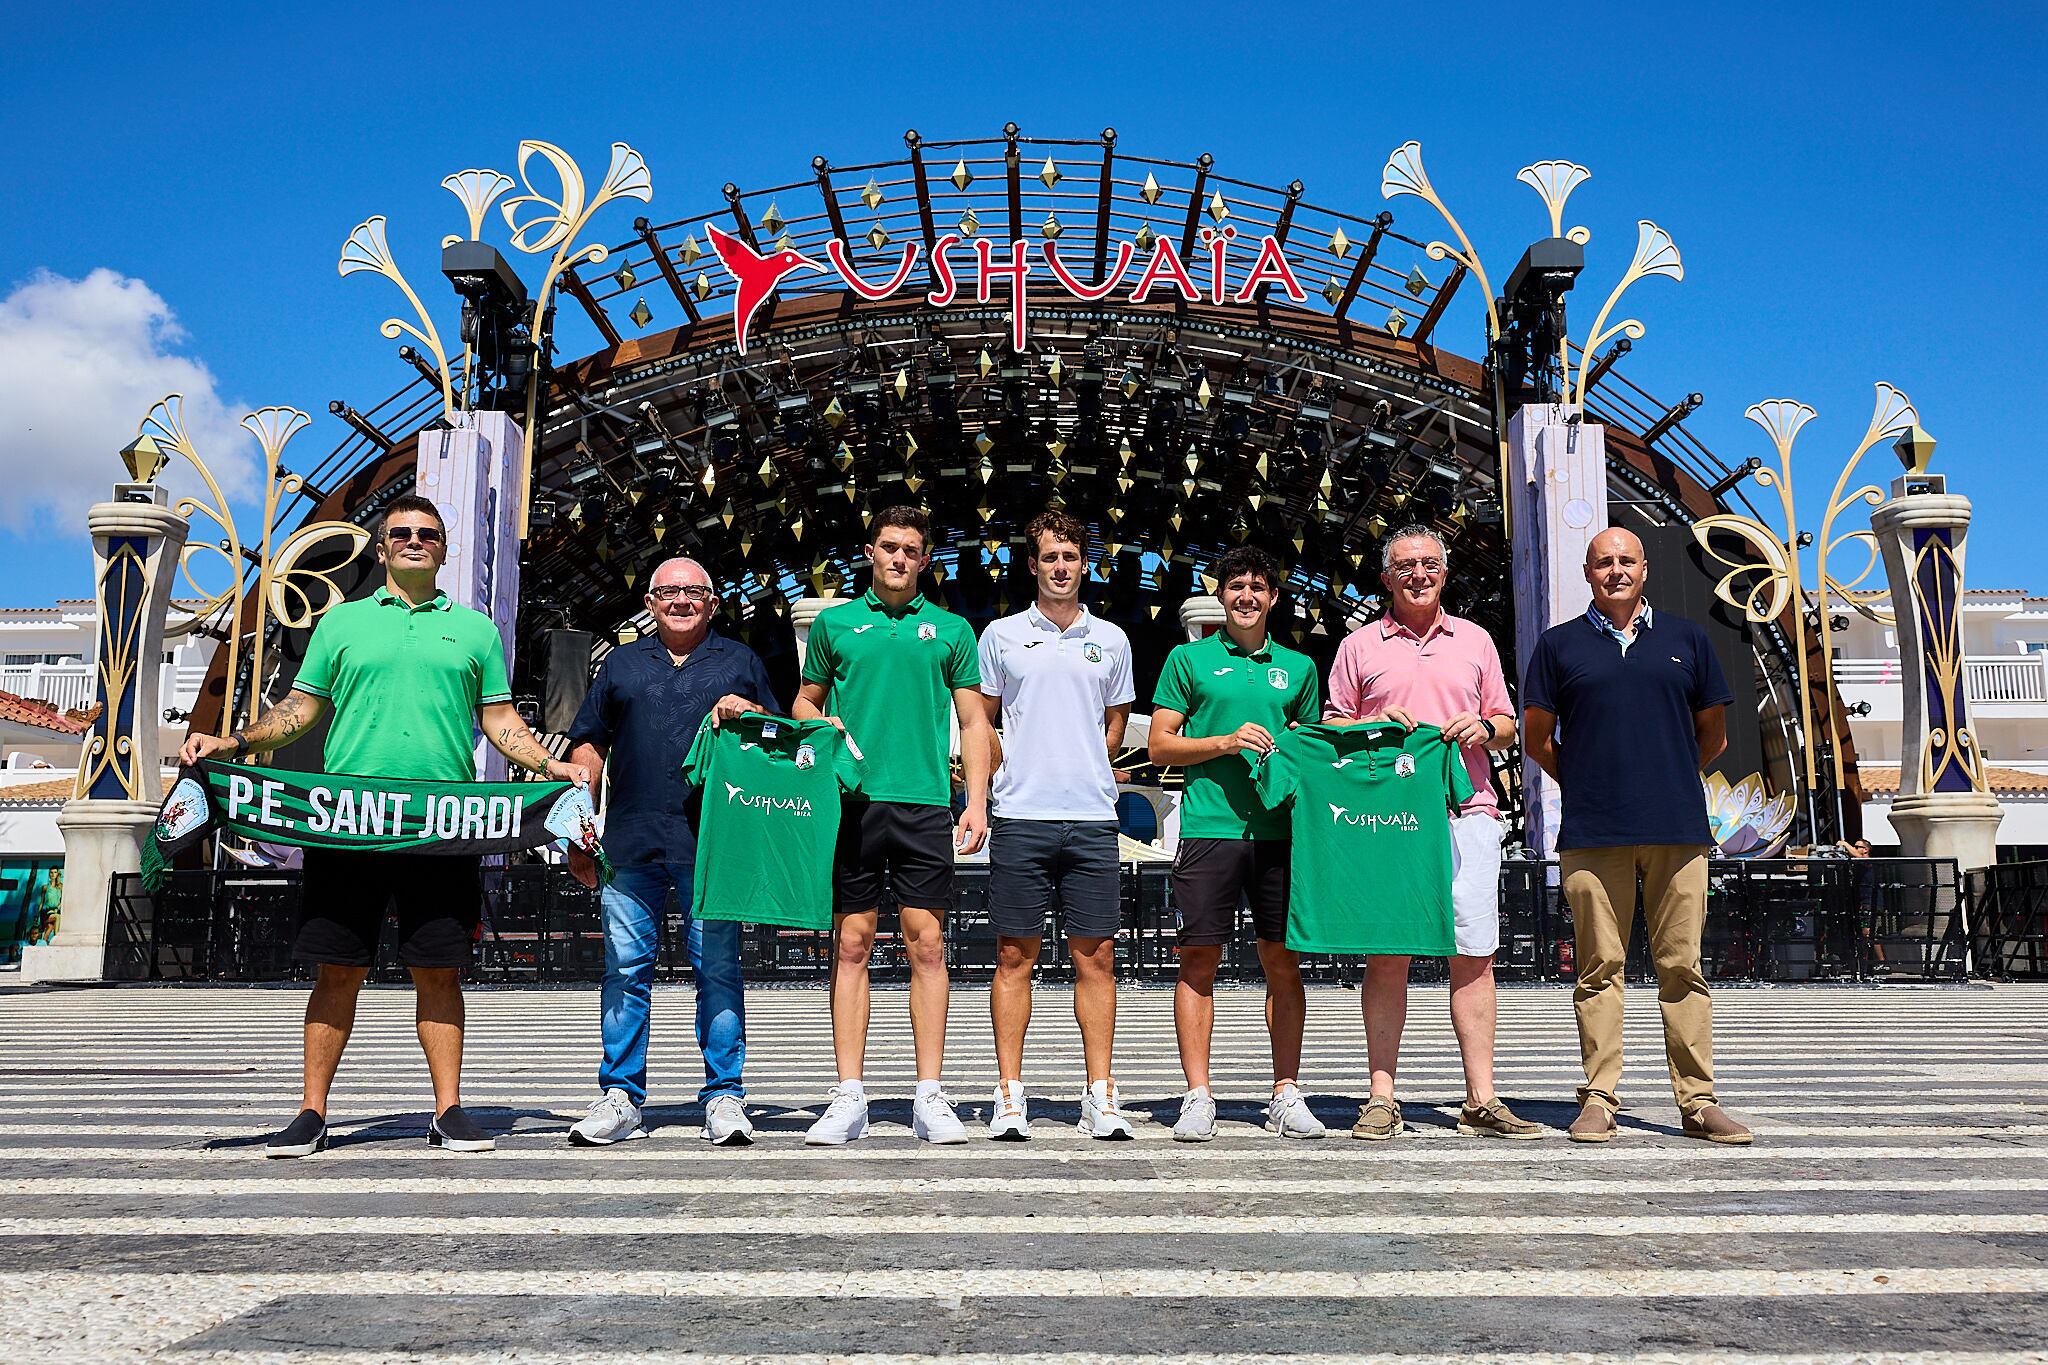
pixel 1856 198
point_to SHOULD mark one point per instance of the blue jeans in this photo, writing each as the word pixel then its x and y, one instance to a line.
pixel 631 904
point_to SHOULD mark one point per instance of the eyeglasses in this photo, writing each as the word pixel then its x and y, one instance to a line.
pixel 425 535
pixel 1409 568
pixel 669 592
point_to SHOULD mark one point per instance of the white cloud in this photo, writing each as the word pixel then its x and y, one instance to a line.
pixel 81 361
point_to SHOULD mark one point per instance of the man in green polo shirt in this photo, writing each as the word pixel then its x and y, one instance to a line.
pixel 409 677
pixel 890 667
pixel 1220 702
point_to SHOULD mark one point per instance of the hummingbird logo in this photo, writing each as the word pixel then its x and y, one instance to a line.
pixel 732 789
pixel 1336 812
pixel 754 275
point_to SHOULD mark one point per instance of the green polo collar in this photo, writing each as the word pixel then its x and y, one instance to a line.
pixel 384 597
pixel 1230 646
pixel 875 603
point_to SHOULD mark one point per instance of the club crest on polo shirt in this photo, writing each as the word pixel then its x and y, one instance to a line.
pixel 1092 653
pixel 806 756
pixel 1277 677
pixel 927 631
pixel 1404 766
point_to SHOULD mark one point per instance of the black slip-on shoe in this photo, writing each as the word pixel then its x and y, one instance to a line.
pixel 454 1130
pixel 306 1135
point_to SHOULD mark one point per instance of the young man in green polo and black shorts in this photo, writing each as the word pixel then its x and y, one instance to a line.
pixel 1220 702
pixel 888 666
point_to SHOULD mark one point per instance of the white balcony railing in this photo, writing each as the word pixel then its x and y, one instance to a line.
pixel 1989 678
pixel 70 687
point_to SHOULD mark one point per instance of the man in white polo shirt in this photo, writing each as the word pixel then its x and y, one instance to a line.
pixel 1058 680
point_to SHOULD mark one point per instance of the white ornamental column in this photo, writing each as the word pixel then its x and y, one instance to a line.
pixel 471 473
pixel 1944 808
pixel 1201 616
pixel 1557 503
pixel 136 542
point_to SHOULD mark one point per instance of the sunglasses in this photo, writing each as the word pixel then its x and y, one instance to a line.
pixel 425 535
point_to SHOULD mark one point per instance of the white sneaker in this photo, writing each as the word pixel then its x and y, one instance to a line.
pixel 845 1120
pixel 726 1123
pixel 613 1118
pixel 1006 1121
pixel 1289 1115
pixel 932 1119
pixel 1197 1122
pixel 1100 1117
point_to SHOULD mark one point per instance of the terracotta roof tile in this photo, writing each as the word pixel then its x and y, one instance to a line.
pixel 26 711
pixel 57 791
pixel 1884 780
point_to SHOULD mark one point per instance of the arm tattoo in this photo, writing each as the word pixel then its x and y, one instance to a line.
pixel 280 725
pixel 518 743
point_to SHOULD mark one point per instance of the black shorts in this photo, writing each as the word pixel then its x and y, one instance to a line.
pixel 1030 862
pixel 912 845
pixel 1212 876
pixel 341 911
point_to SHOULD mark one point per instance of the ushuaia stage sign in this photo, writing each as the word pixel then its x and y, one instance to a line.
pixel 756 274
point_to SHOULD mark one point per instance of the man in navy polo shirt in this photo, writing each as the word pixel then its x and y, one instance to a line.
pixel 1623 707
pixel 642 711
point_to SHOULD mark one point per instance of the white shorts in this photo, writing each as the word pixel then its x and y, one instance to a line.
pixel 1475 882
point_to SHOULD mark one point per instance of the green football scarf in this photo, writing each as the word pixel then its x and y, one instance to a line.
pixel 367 815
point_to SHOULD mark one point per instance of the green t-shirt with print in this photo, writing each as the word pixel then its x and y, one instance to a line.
pixel 1370 807
pixel 1219 687
pixel 890 677
pixel 769 818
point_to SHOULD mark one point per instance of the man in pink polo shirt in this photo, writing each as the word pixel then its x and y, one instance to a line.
pixel 1420 665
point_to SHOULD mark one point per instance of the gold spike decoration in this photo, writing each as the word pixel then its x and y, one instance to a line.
pixel 785 243
pixel 843 457
pixel 1396 323
pixel 970 223
pixel 660 527
pixel 1217 211
pixel 983 444
pixel 701 287
pixel 1145 238
pixel 1150 192
pixel 766 473
pixel 1417 283
pixel 912 482
pixel 835 413
pixel 641 314
pixel 985 471
pixel 1055 371
pixel 710 477
pixel 690 252
pixel 1203 393
pixel 1049 173
pixel 1340 245
pixel 909 445
pixel 771 221
pixel 961 177
pixel 626 278
pixel 871 195
pixel 985 363
pixel 1051 228
pixel 1057 449
pixel 877 238
pixel 746 544
pixel 902 382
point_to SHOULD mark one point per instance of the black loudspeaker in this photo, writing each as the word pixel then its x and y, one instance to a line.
pixel 564 678
pixel 1682 581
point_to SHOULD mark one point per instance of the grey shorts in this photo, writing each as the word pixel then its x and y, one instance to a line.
pixel 1032 863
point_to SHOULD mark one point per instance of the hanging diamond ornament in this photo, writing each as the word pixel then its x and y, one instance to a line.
pixel 877 238
pixel 641 314
pixel 985 363
pixel 701 287
pixel 771 221
pixel 626 278
pixel 1050 229
pixel 1049 173
pixel 1150 192
pixel 871 195
pixel 1334 292
pixel 690 252
pixel 970 223
pixel 961 177
pixel 902 382
pixel 1417 283
pixel 1397 322
pixel 1340 245
pixel 1217 211
pixel 1145 238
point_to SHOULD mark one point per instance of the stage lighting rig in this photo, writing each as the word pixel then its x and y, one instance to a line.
pixel 1727 483
pixel 1533 322
pixel 496 323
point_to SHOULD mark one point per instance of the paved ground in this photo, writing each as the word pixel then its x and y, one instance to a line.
pixel 1896 1203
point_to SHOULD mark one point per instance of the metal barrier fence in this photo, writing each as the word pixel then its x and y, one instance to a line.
pixel 1817 919
pixel 2009 924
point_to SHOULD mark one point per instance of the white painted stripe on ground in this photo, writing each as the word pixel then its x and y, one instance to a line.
pixel 573 1106
pixel 639 1357
pixel 58 1127
pixel 1412 1151
pixel 466 1185
pixel 1061 1225
pixel 1012 1282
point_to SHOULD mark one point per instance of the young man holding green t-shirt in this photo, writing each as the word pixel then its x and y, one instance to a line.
pixel 886 667
pixel 1220 702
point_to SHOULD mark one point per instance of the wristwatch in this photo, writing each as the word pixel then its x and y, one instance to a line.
pixel 241 742
pixel 1492 734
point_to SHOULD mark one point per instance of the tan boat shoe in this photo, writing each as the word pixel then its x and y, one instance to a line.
pixel 1495 1119
pixel 1713 1124
pixel 1379 1118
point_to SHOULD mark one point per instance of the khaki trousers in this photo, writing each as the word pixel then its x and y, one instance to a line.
pixel 1600 887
